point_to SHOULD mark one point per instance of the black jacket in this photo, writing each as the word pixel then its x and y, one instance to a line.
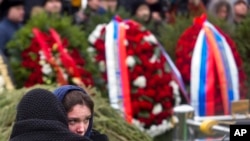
pixel 41 117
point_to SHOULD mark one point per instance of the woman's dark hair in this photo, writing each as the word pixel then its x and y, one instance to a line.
pixel 77 97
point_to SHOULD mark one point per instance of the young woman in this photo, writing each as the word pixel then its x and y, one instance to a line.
pixel 41 117
pixel 80 109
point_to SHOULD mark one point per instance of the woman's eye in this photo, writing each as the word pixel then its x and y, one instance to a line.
pixel 72 121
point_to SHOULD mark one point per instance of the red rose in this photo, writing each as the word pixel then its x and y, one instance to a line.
pixel 100 45
pixel 146 105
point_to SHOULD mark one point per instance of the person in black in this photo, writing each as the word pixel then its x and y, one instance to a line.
pixel 41 117
pixel 80 109
pixel 11 16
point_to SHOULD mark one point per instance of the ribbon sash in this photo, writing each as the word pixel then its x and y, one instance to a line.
pixel 211 56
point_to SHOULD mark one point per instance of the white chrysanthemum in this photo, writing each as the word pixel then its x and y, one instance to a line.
pixel 92 39
pixel 1 81
pixel 96 33
pixel 153 59
pixel 91 50
pixel 150 38
pixel 46 69
pixel 140 82
pixel 176 92
pixel 157 109
pixel 102 66
pixel 130 61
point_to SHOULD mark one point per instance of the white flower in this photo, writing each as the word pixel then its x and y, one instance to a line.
pixel 42 56
pixel 102 66
pixel 96 33
pixel 157 109
pixel 1 81
pixel 130 61
pixel 176 92
pixel 92 39
pixel 151 38
pixel 140 82
pixel 91 50
pixel 153 59
pixel 46 69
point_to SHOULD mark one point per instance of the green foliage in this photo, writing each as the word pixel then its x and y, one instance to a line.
pixel 106 119
pixel 170 33
pixel 241 36
pixel 63 25
pixel 93 21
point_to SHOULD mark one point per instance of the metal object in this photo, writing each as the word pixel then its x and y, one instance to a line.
pixel 182 131
pixel 222 118
pixel 219 129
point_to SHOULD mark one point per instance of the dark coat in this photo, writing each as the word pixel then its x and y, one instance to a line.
pixel 41 117
pixel 7 30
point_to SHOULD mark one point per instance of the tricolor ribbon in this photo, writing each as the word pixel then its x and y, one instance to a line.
pixel 212 57
pixel 117 71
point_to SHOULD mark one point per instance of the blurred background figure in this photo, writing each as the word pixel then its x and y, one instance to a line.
pixel 221 9
pixel 53 6
pixel 157 9
pixel 48 6
pixel 12 16
pixel 111 5
pixel 95 7
pixel 141 11
pixel 240 10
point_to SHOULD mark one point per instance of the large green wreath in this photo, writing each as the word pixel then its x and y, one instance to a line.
pixel 43 21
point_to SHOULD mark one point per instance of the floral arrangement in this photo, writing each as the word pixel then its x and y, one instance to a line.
pixel 184 50
pixel 153 92
pixel 51 61
pixel 50 50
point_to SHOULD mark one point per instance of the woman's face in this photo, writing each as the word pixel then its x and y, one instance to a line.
pixel 78 119
pixel 143 12
pixel 16 13
pixel 240 9
pixel 111 5
pixel 53 6
pixel 222 12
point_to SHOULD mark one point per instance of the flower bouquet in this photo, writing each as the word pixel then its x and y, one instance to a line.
pixel 152 91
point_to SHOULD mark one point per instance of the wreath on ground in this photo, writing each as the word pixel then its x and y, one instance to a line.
pixel 49 50
pixel 184 50
pixel 153 92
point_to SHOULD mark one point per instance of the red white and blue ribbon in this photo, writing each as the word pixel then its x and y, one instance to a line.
pixel 117 71
pixel 212 57
pixel 175 74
